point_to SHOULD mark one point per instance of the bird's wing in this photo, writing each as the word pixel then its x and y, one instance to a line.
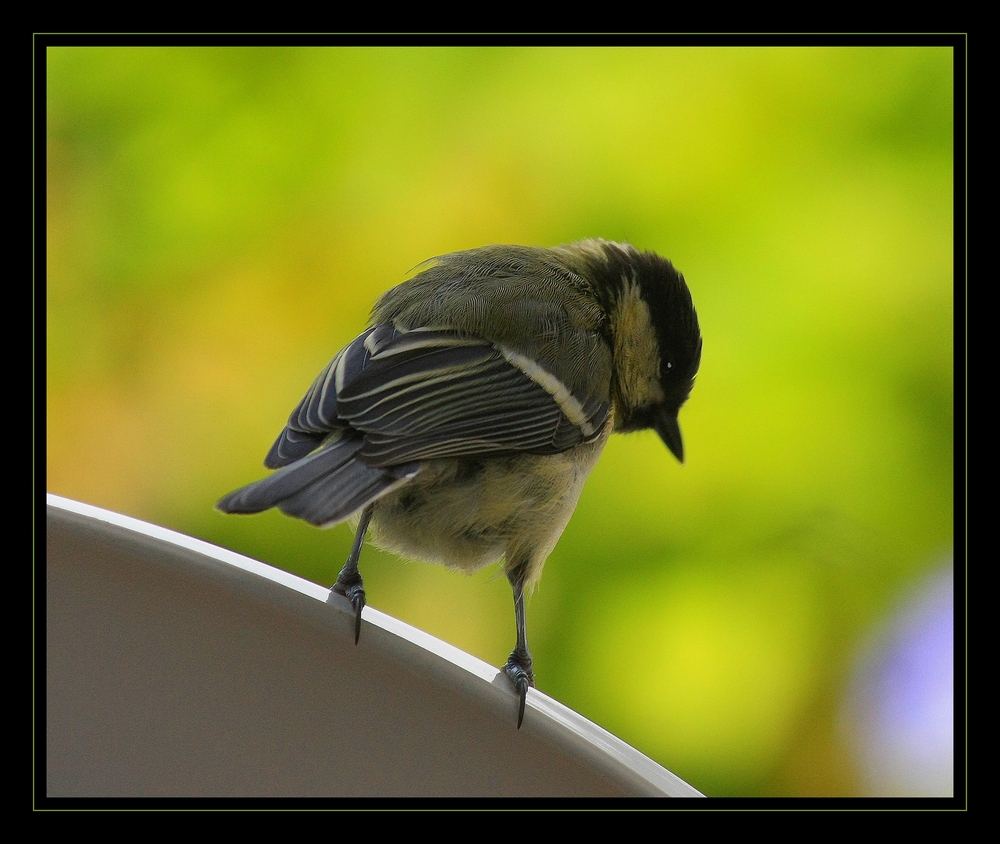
pixel 426 394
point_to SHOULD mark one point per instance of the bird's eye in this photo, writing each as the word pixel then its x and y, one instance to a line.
pixel 669 365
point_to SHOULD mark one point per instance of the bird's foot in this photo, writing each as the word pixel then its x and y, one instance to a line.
pixel 518 669
pixel 354 590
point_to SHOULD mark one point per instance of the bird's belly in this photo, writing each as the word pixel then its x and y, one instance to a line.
pixel 470 512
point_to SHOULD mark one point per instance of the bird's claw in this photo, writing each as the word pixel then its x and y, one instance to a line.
pixel 518 669
pixel 355 593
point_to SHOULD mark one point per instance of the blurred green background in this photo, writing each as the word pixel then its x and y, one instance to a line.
pixel 220 221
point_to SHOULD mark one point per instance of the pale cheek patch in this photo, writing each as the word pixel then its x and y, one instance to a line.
pixel 637 354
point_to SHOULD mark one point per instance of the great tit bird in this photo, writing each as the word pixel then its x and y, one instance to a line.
pixel 461 425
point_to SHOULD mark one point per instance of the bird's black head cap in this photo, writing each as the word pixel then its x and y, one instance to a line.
pixel 655 337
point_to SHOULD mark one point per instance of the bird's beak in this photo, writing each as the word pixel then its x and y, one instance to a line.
pixel 670 432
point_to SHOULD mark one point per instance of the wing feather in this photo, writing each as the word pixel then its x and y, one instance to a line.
pixel 427 394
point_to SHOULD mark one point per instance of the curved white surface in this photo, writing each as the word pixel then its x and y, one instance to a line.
pixel 177 668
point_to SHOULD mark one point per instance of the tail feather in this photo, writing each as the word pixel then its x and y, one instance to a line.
pixel 323 488
pixel 338 495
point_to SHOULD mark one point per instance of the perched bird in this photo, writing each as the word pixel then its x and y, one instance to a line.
pixel 462 424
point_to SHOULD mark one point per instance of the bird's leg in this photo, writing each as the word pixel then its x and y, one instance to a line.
pixel 349 581
pixel 518 667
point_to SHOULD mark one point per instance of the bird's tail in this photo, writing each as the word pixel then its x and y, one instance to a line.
pixel 323 488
